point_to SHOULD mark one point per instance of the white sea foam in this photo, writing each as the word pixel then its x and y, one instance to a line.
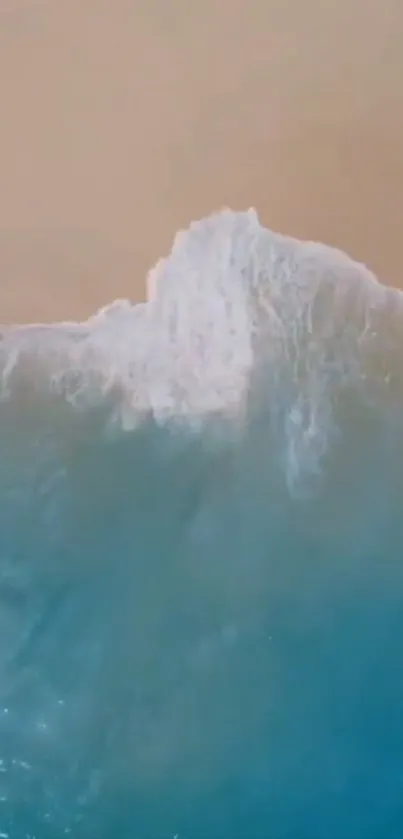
pixel 232 303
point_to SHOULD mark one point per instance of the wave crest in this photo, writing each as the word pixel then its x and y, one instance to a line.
pixel 238 320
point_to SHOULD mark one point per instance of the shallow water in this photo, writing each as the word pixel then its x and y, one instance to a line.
pixel 201 536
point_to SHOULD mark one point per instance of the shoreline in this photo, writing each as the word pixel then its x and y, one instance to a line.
pixel 124 124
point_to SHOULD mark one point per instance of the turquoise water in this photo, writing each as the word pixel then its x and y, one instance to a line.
pixel 201 541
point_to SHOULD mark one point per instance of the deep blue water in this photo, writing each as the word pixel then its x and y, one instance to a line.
pixel 201 554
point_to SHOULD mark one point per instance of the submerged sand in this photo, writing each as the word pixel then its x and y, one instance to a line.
pixel 122 120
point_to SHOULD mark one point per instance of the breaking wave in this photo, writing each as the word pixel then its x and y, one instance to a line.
pixel 201 541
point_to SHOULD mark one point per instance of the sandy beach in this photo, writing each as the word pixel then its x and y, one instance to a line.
pixel 123 120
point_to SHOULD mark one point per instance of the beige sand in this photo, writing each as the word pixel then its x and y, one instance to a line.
pixel 121 120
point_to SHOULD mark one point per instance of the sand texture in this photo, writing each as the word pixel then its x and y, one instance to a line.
pixel 122 120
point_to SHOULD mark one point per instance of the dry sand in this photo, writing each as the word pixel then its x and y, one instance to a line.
pixel 122 120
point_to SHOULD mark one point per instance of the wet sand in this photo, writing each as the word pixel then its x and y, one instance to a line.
pixel 122 120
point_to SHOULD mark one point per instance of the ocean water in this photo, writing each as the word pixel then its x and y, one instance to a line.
pixel 201 553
